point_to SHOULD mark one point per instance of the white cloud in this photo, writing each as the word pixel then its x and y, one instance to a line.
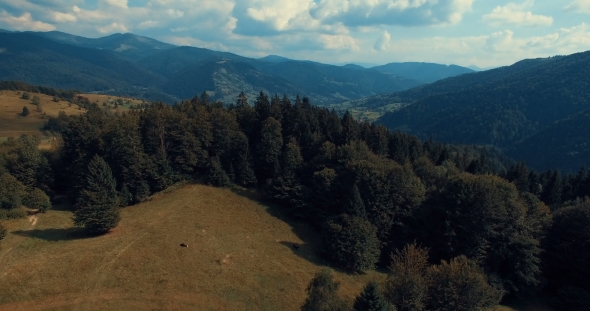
pixel 513 13
pixel 62 17
pixel 392 12
pixel 122 4
pixel 113 27
pixel 383 42
pixel 24 22
pixel 148 24
pixel 580 6
pixel 90 15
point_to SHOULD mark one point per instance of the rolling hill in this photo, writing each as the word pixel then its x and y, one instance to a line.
pixel 502 107
pixel 239 257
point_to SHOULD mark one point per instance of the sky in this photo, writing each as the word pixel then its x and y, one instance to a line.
pixel 486 33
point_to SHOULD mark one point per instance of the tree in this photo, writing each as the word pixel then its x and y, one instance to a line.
pixel 355 205
pixel 269 149
pixel 460 285
pixel 97 205
pixel 25 95
pixel 25 112
pixel 351 243
pixel 37 199
pixel 322 294
pixel 407 285
pixel 11 192
pixel 36 100
pixel 371 299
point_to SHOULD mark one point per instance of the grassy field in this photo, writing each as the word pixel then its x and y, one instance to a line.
pixel 240 257
pixel 12 124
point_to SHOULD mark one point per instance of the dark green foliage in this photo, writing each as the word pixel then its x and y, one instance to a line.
pixel 351 243
pixel 3 232
pixel 460 285
pixel 269 149
pixel 35 100
pixel 355 205
pixel 322 294
pixel 572 298
pixel 25 112
pixel 25 95
pixel 371 299
pixel 12 192
pixel 568 247
pixel 37 199
pixel 97 207
pixel 407 285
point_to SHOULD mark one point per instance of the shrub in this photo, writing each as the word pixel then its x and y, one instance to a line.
pixel 36 100
pixel 15 213
pixel 25 112
pixel 2 232
pixel 322 294
pixel 11 192
pixel 37 199
pixel 26 95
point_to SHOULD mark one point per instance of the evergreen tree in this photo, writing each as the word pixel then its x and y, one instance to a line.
pixel 97 207
pixel 269 150
pixel 371 299
pixel 355 205
pixel 351 243
pixel 25 112
pixel 322 294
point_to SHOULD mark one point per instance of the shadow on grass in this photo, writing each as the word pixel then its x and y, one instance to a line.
pixel 66 234
pixel 310 249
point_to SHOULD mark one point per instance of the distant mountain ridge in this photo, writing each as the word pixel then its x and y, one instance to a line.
pixel 425 72
pixel 518 108
pixel 146 68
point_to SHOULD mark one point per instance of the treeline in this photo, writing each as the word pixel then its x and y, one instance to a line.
pixel 370 191
pixel 21 86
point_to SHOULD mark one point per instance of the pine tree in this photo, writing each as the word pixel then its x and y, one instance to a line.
pixel 269 150
pixel 97 204
pixel 25 112
pixel 371 299
pixel 355 206
pixel 322 294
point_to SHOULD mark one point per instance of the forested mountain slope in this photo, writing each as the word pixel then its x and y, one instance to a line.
pixel 425 72
pixel 501 107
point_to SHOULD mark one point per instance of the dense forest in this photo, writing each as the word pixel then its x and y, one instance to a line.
pixel 514 108
pixel 459 227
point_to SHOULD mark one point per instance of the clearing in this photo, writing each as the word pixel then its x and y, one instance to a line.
pixel 239 257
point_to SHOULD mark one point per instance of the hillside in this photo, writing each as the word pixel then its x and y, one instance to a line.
pixel 424 72
pixel 500 107
pixel 240 257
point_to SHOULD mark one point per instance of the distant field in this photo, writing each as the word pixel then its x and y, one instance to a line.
pixel 240 257
pixel 12 124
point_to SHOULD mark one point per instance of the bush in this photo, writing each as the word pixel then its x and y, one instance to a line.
pixel 322 294
pixel 55 99
pixel 36 100
pixel 351 243
pixel 2 232
pixel 15 213
pixel 26 95
pixel 460 285
pixel 37 199
pixel 25 112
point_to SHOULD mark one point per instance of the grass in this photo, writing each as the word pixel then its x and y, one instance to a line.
pixel 12 124
pixel 240 257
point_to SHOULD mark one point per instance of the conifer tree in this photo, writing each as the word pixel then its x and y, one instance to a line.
pixel 355 205
pixel 371 299
pixel 269 149
pixel 97 204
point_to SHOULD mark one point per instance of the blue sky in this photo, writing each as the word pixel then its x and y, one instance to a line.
pixel 464 32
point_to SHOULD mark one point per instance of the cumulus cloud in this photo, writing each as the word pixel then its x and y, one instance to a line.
pixel 24 22
pixel 383 42
pixel 60 17
pixel 113 27
pixel 392 12
pixel 122 4
pixel 513 13
pixel 269 17
pixel 580 6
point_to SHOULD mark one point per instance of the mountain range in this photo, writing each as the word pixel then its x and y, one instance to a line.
pixel 127 64
pixel 537 110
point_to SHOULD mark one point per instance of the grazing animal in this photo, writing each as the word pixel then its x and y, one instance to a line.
pixel 183 245
pixel 296 247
